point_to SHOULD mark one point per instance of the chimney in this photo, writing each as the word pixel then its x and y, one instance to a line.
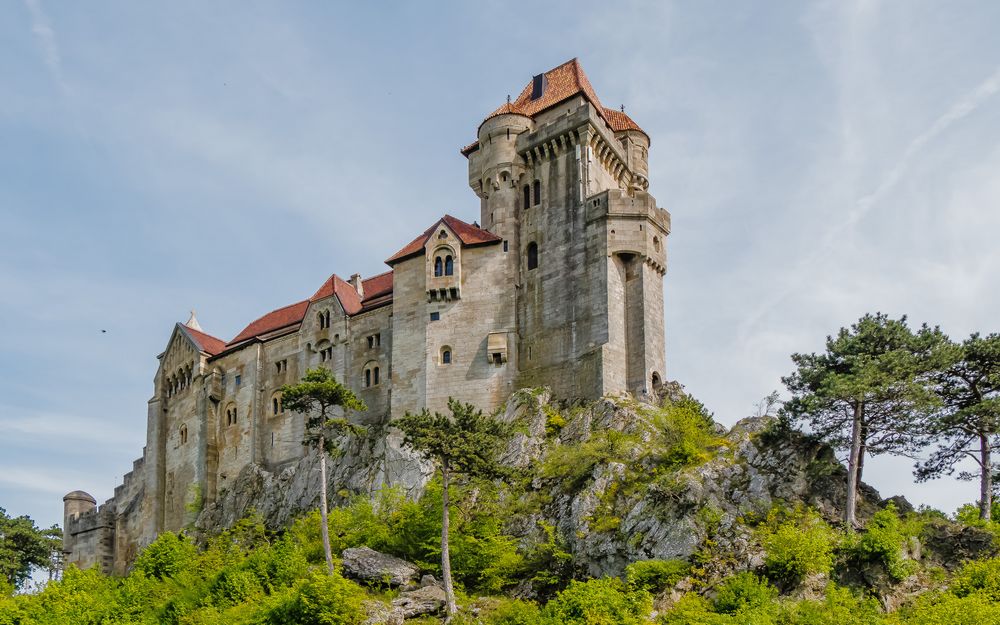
pixel 356 283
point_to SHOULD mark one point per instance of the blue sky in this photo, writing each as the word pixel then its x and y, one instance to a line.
pixel 820 160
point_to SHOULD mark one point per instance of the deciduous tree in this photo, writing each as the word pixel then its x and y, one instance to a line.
pixel 968 423
pixel 467 443
pixel 24 546
pixel 867 391
pixel 318 396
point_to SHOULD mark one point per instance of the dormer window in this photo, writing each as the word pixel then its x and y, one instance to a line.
pixel 324 319
pixel 538 84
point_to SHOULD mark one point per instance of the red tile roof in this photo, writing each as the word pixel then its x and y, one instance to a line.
pixel 619 121
pixel 205 342
pixel 562 83
pixel 467 234
pixel 377 286
pixel 274 320
pixel 348 297
pixel 378 291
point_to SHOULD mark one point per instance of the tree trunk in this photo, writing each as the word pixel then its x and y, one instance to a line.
pixel 449 590
pixel 325 530
pixel 986 479
pixel 862 452
pixel 852 468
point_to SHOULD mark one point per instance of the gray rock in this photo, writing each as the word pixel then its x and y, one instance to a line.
pixel 426 600
pixel 372 566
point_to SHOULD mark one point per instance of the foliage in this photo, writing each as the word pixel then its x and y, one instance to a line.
pixel 797 544
pixel 655 576
pixel 866 392
pixel 316 396
pixel 322 600
pixel 968 423
pixel 743 592
pixel 167 556
pixel 684 429
pixel 882 541
pixel 22 547
pixel 605 601
pixel 978 577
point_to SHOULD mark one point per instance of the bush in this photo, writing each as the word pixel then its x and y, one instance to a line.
pixel 603 601
pixel 801 545
pixel 505 612
pixel 694 609
pixel 979 577
pixel 882 541
pixel 685 433
pixel 322 600
pixel 655 576
pixel 166 556
pixel 951 610
pixel 743 592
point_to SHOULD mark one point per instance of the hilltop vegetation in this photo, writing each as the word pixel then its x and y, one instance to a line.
pixel 616 513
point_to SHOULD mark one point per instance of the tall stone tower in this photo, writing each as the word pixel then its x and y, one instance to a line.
pixel 562 180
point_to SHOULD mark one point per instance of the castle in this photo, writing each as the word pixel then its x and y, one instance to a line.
pixel 558 284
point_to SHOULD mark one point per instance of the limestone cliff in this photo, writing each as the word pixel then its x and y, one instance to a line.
pixel 616 503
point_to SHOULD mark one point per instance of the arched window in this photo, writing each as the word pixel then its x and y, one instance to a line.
pixel 276 407
pixel 538 192
pixel 449 266
pixel 657 382
pixel 527 196
pixel 375 377
pixel 532 256
pixel 231 414
pixel 445 355
pixel 368 378
pixel 184 434
pixel 438 267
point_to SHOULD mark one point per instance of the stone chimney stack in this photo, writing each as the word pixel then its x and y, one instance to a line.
pixel 356 283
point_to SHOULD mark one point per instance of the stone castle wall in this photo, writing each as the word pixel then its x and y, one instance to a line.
pixel 587 321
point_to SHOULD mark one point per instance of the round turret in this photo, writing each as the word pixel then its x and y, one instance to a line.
pixel 76 503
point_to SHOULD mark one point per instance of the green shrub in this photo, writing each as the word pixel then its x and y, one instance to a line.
pixel 838 607
pixel 947 609
pixel 603 601
pixel 882 541
pixel 694 609
pixel 801 545
pixel 655 576
pixel 743 592
pixel 322 600
pixel 166 556
pixel 507 612
pixel 685 435
pixel 548 563
pixel 978 577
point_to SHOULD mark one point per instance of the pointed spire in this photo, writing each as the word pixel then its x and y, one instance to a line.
pixel 192 323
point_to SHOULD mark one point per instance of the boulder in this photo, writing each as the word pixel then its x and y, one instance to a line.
pixel 419 602
pixel 368 565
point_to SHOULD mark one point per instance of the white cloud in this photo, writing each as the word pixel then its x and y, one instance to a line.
pixel 41 28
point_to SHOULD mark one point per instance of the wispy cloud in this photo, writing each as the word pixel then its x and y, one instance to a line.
pixel 55 428
pixel 959 110
pixel 46 37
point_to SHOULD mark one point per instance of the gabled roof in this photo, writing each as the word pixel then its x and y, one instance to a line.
pixel 467 233
pixel 378 291
pixel 348 297
pixel 272 321
pixel 561 83
pixel 205 342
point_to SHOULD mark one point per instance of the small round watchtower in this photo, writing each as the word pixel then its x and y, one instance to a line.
pixel 77 503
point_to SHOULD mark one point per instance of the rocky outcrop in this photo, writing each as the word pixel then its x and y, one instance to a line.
pixel 374 567
pixel 366 463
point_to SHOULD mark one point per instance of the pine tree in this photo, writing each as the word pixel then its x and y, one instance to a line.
pixel 317 397
pixel 867 391
pixel 468 443
pixel 968 424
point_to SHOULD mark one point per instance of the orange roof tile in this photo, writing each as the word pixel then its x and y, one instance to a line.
pixel 345 293
pixel 619 121
pixel 562 83
pixel 274 320
pixel 205 342
pixel 467 234
pixel 377 286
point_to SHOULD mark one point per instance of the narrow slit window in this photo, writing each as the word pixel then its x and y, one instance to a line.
pixel 538 192
pixel 527 196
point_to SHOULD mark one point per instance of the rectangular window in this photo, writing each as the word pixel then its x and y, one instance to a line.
pixel 435 316
pixel 505 246
pixel 239 378
pixel 374 340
